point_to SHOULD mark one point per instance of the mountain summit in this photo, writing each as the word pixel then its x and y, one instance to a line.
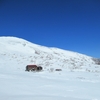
pixel 20 52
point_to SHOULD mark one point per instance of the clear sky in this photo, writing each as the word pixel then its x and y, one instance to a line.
pixel 67 24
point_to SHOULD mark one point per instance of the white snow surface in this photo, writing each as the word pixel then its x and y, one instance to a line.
pixel 78 80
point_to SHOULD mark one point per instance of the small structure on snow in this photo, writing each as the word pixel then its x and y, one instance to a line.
pixel 33 68
pixel 58 69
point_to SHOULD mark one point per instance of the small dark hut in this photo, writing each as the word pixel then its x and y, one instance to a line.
pixel 33 68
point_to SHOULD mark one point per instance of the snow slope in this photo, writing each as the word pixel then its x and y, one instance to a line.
pixel 78 80
pixel 22 52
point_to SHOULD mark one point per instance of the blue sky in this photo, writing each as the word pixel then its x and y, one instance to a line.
pixel 67 24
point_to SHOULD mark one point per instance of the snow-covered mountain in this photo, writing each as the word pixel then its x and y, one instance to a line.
pixel 78 80
pixel 20 52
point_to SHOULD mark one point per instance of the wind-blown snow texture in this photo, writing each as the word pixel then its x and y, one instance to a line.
pixel 78 80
